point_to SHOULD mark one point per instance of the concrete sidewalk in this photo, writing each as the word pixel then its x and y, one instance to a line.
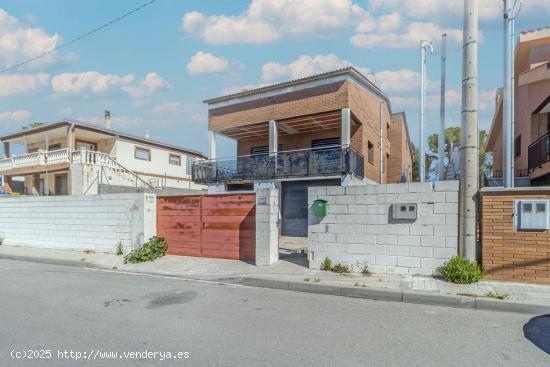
pixel 290 273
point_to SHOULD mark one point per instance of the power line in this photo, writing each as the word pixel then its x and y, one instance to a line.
pixel 74 40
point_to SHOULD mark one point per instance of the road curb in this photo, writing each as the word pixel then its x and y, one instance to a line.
pixel 50 261
pixel 236 280
pixel 433 299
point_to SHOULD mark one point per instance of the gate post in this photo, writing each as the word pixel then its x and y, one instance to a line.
pixel 267 229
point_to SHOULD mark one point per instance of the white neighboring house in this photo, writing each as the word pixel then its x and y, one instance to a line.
pixel 75 158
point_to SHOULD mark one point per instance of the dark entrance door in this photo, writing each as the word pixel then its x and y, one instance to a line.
pixel 294 205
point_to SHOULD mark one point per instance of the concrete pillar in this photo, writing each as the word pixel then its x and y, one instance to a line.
pixel 35 187
pixel 346 128
pixel 47 176
pixel 267 229
pixel 6 149
pixel 8 184
pixel 211 145
pixel 273 137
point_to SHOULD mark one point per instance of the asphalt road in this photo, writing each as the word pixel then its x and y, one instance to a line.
pixel 60 308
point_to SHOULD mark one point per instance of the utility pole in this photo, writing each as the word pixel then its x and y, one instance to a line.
pixel 441 138
pixel 469 148
pixel 511 9
pixel 507 97
pixel 424 46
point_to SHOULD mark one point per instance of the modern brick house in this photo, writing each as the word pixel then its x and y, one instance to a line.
pixel 532 114
pixel 334 129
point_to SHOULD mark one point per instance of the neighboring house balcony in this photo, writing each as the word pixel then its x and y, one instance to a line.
pixel 314 162
pixel 60 158
pixel 539 160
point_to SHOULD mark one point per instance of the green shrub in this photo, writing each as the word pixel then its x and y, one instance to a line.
pixel 341 268
pixel 461 270
pixel 327 264
pixel 149 251
pixel 365 269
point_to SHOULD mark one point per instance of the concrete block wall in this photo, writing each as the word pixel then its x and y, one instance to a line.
pixel 267 229
pixel 358 228
pixel 87 222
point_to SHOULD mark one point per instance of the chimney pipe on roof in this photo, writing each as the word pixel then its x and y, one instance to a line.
pixel 107 119
pixel 147 134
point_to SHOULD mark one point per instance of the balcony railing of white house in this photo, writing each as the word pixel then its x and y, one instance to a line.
pixel 56 157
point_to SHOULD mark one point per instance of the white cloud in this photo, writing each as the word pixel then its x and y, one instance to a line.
pixel 453 100
pixel 206 63
pixel 402 81
pixel 489 10
pixel 19 84
pixel 87 82
pixel 151 84
pixel 20 42
pixel 268 20
pixel 303 66
pixel 16 116
pixel 407 36
pixel 93 82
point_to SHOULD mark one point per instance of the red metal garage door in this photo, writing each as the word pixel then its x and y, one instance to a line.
pixel 221 226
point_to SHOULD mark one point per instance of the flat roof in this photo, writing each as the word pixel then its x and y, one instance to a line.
pixel 348 72
pixel 99 129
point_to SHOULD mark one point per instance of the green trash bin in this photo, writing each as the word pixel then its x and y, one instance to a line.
pixel 320 207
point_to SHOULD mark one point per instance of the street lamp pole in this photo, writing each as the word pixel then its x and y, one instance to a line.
pixel 424 46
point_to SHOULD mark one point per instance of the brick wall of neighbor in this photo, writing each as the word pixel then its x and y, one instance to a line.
pixel 400 157
pixel 509 254
pixel 91 222
pixel 358 230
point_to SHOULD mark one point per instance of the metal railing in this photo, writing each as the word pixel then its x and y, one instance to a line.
pixel 82 156
pixel 539 151
pixel 500 173
pixel 286 164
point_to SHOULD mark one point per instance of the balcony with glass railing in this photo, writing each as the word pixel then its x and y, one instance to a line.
pixel 326 161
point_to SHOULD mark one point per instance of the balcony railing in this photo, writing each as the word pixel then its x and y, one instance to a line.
pixel 56 157
pixel 539 151
pixel 296 163
pixel 500 173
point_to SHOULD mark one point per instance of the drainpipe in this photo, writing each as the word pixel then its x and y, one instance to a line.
pixel 381 142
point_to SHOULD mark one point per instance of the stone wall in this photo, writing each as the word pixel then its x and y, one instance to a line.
pixel 90 222
pixel 358 228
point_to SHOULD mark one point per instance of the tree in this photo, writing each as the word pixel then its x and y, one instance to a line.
pixel 452 139
pixel 416 163
pixel 32 125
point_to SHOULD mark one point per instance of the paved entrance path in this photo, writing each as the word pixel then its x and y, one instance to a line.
pixel 290 268
pixel 89 310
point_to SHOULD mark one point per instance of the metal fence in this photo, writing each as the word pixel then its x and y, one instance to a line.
pixel 539 151
pixel 295 163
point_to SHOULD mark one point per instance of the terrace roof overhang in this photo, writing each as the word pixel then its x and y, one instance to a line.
pixel 289 126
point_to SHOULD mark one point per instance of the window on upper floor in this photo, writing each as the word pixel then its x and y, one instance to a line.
pixel 174 159
pixel 54 146
pixel 370 152
pixel 517 146
pixel 143 153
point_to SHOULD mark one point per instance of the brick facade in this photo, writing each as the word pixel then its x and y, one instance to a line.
pixel 364 106
pixel 400 160
pixel 509 254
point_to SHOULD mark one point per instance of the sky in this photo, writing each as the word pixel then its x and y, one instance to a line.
pixel 153 69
